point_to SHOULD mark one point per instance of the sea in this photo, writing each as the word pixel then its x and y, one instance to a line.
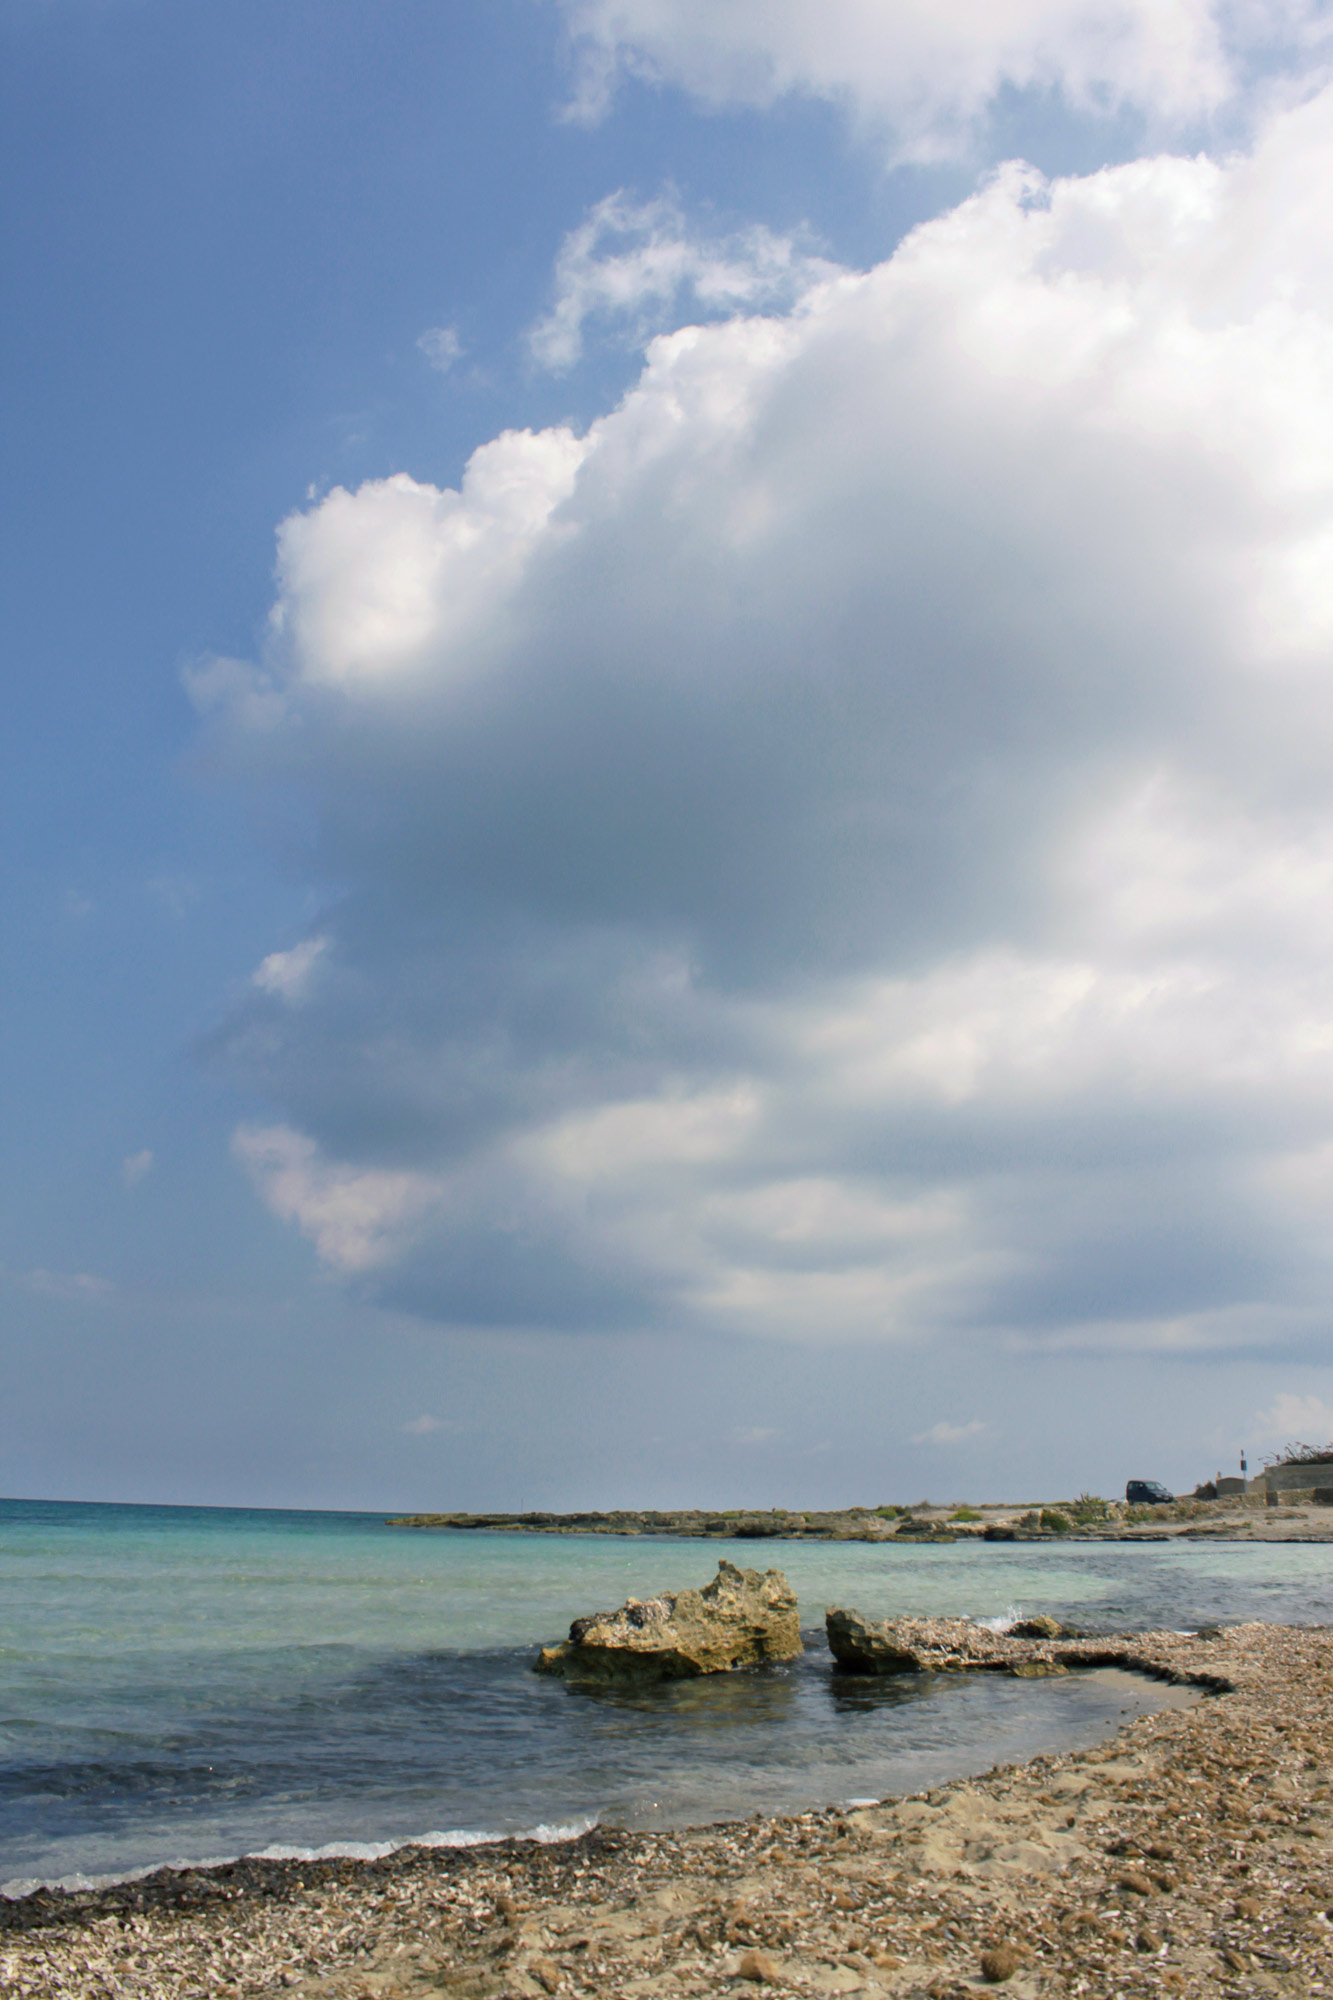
pixel 188 1684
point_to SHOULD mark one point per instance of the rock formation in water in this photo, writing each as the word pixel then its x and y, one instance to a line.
pixel 741 1619
pixel 938 1645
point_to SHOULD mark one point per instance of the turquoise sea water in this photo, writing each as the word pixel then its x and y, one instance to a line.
pixel 190 1683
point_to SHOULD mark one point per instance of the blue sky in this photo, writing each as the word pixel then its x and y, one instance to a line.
pixel 773 949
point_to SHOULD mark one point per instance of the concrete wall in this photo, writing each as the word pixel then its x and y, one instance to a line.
pixel 1294 1478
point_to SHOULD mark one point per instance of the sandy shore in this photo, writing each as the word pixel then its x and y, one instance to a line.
pixel 1192 1854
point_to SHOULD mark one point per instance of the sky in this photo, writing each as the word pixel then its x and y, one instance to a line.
pixel 667 771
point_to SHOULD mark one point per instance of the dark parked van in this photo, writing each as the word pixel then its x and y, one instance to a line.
pixel 1146 1493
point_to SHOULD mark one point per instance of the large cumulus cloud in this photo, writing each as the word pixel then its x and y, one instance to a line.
pixel 841 848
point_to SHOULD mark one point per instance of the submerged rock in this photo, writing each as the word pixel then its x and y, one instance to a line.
pixel 740 1619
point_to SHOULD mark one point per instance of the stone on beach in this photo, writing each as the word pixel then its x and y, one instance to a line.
pixel 740 1619
pixel 759 1967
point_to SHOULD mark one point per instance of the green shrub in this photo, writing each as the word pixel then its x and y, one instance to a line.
pixel 1173 1510
pixel 1090 1507
pixel 965 1514
pixel 888 1513
pixel 1032 1519
pixel 1056 1522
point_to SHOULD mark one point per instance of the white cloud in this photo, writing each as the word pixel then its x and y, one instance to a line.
pixel 356 1219
pixel 135 1165
pixel 638 265
pixel 842 847
pixel 373 581
pixel 928 70
pixel 288 974
pixel 441 347
pixel 947 1433
pixel 423 1426
pixel 1295 1419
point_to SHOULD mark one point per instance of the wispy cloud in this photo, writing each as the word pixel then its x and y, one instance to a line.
pixel 177 893
pixel 356 1218
pixel 1293 1419
pixel 640 266
pixel 287 974
pixel 72 1286
pixel 947 1433
pixel 441 347
pixel 923 78
pixel 135 1165
pixel 236 689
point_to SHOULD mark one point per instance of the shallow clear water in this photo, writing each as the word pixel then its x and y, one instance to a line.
pixel 191 1682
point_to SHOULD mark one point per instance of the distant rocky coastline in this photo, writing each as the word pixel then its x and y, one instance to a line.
pixel 852 1524
pixel 1240 1518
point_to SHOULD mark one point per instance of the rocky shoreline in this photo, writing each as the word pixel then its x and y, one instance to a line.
pixel 1191 1855
pixel 1244 1518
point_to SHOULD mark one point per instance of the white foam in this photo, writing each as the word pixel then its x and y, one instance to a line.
pixel 334 1850
pixel 1004 1623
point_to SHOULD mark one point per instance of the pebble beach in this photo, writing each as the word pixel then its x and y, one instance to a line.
pixel 1190 1854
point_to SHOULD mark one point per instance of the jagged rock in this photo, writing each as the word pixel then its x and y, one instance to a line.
pixel 1036 1628
pixel 868 1648
pixel 740 1619
pixel 932 1645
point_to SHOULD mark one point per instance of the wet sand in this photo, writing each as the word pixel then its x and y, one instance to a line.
pixel 1191 1854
